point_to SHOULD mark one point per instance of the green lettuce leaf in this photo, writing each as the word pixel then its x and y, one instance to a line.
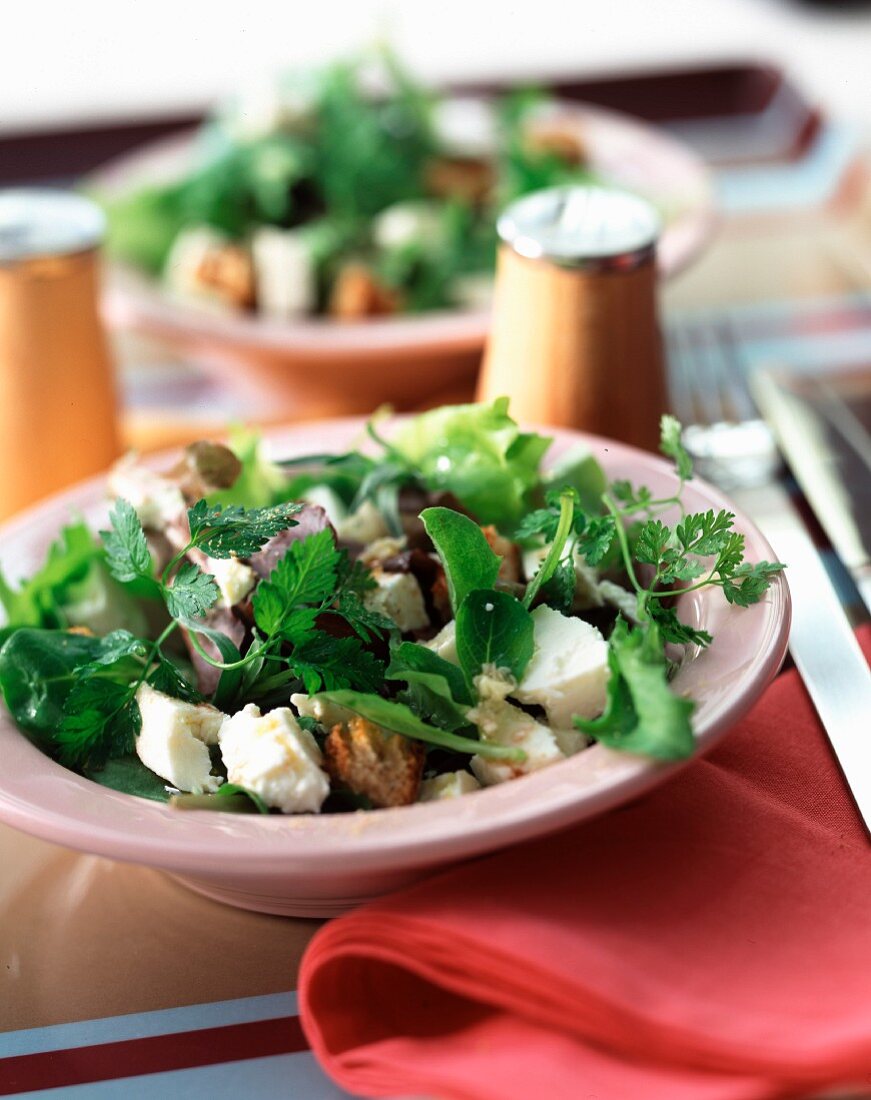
pixel 478 453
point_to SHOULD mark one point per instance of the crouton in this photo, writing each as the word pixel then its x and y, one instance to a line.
pixel 509 568
pixel 556 139
pixel 357 293
pixel 228 273
pixel 385 767
pixel 458 177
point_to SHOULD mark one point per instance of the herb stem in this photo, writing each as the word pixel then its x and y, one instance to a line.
pixel 624 544
pixel 554 554
pixel 246 660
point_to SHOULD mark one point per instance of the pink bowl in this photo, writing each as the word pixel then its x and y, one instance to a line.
pixel 321 866
pixel 318 367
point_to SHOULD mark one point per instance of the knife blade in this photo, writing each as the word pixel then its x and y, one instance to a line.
pixel 821 641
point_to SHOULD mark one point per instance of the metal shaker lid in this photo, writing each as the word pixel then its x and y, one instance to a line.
pixel 592 228
pixel 39 221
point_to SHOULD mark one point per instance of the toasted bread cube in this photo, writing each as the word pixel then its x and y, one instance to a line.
pixel 460 177
pixel 508 551
pixel 385 767
pixel 357 294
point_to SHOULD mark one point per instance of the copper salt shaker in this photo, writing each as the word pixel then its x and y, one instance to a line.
pixel 575 339
pixel 58 412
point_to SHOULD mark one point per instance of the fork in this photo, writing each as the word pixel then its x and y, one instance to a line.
pixel 734 448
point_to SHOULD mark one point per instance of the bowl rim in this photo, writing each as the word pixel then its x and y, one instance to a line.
pixel 136 300
pixel 41 797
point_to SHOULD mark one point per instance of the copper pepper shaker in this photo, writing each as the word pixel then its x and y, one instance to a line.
pixel 575 339
pixel 58 412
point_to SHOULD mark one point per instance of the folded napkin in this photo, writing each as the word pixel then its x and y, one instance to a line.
pixel 711 941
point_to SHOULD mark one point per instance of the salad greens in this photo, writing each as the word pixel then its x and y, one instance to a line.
pixel 427 633
pixel 385 211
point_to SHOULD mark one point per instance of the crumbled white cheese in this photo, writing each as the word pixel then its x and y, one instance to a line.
pixel 617 596
pixel 568 672
pixel 398 596
pixel 184 263
pixel 505 724
pixel 329 500
pixel 284 271
pixel 445 643
pixel 381 549
pixel 407 223
pixel 156 500
pixel 273 756
pixel 322 710
pixel 571 741
pixel 365 525
pixel 449 785
pixel 173 738
pixel 234 579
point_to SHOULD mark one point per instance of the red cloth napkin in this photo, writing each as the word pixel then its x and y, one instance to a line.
pixel 709 942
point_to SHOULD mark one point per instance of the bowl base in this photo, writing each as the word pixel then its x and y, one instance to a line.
pixel 304 903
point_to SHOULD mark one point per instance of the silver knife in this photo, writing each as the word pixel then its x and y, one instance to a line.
pixel 821 641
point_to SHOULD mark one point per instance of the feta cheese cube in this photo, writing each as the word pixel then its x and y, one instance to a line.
pixel 156 500
pixel 571 741
pixel 365 525
pixel 173 738
pixel 284 271
pixel 505 724
pixel 328 499
pixel 234 579
pixel 398 596
pixel 445 643
pixel 322 710
pixel 273 756
pixel 449 785
pixel 408 223
pixel 568 672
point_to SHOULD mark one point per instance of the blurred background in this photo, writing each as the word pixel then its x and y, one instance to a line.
pixel 745 122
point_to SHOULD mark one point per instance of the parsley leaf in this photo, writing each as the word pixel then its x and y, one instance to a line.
pixel 323 661
pixel 595 540
pixel 748 583
pixel 306 574
pixel 671 629
pixel 101 720
pixel 223 532
pixel 191 593
pixel 642 714
pixel 127 550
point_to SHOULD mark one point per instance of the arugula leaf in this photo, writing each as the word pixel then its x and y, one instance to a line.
pixel 222 532
pixel 671 445
pixel 191 593
pixel 494 628
pixel 126 547
pixel 228 790
pixel 399 718
pixel 435 689
pixel 468 560
pixel 37 672
pixel 411 657
pixel 642 715
pixel 130 776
